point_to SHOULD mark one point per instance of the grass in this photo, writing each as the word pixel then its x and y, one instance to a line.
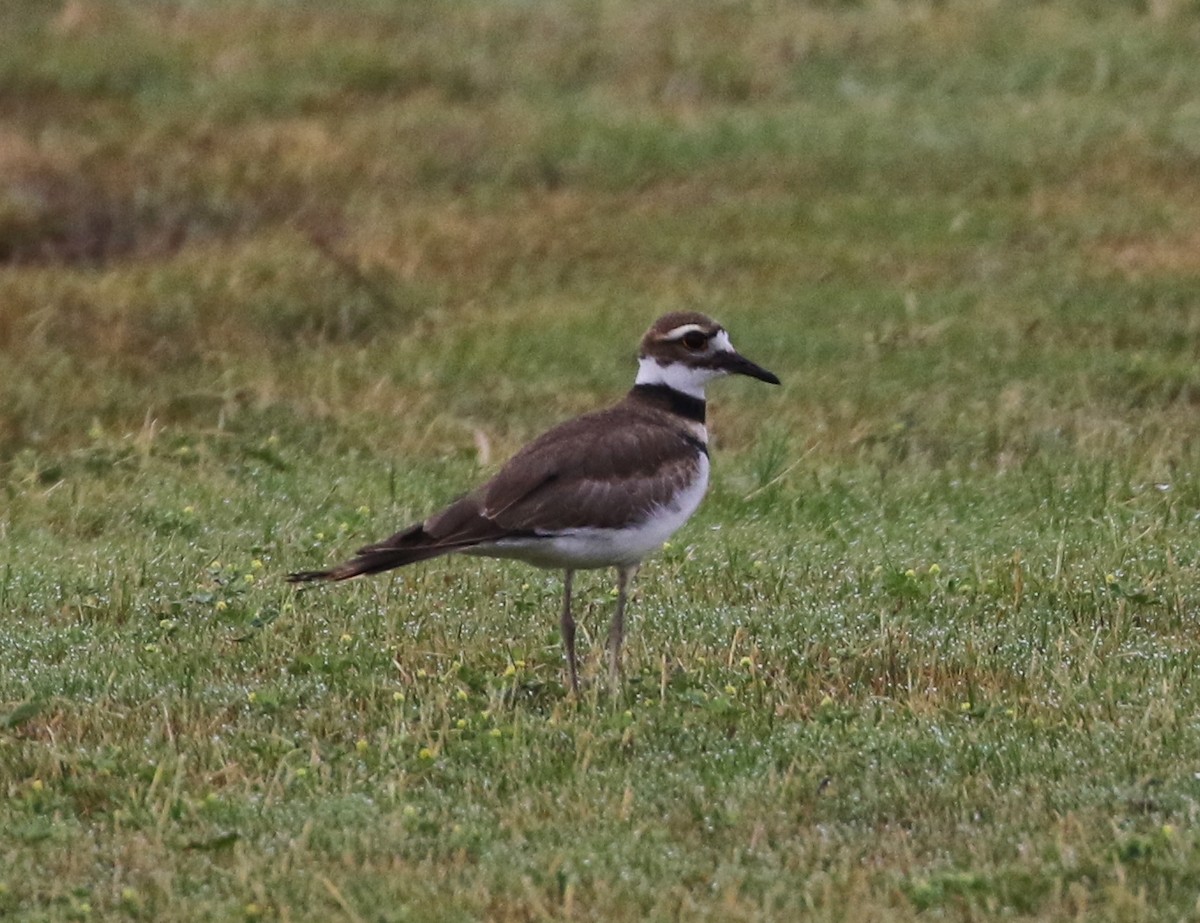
pixel 277 278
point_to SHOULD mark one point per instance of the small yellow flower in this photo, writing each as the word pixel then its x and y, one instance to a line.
pixel 150 648
pixel 730 690
pixel 910 573
pixel 934 569
pixel 251 696
pixel 461 723
pixel 346 638
pixel 256 564
pixel 214 564
pixel 397 696
pixel 363 510
pixel 520 664
pixel 422 673
pixel 746 662
pixel 37 785
pixel 1110 579
pixel 301 772
pixel 461 695
pixel 222 605
pixel 1168 830
pixel 425 753
pixel 361 745
pixel 249 578
pixel 252 910
pixel 510 670
pixel 965 706
pixel 189 510
pixel 827 701
pixel 494 732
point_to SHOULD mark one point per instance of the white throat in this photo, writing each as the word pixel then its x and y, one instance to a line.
pixel 685 379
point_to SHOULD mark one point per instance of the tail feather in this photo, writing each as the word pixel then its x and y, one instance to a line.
pixel 372 562
pixel 407 547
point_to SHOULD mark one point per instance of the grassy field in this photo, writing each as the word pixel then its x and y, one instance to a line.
pixel 278 277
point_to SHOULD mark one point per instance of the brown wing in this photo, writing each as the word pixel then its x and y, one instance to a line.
pixel 603 470
pixel 599 470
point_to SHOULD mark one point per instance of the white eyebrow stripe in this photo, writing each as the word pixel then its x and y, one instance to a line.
pixel 683 330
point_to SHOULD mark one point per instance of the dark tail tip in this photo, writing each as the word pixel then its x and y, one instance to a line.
pixel 307 576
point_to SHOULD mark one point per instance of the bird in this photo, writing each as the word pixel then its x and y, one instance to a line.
pixel 605 489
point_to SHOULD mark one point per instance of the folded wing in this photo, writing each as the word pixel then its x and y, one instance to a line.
pixel 584 473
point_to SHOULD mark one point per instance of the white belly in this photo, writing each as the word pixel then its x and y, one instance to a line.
pixel 589 548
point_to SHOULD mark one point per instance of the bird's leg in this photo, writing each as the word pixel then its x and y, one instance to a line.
pixel 567 622
pixel 616 631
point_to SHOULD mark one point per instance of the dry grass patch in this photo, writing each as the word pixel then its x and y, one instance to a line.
pixel 1136 259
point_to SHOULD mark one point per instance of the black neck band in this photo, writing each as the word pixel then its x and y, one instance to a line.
pixel 686 406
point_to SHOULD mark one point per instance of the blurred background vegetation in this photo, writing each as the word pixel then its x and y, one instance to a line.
pixel 968 227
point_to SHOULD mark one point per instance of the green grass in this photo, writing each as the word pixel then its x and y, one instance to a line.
pixel 277 278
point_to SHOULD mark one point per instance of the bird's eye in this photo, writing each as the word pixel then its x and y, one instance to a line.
pixel 694 340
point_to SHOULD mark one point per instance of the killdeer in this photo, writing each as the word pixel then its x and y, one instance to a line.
pixel 602 490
